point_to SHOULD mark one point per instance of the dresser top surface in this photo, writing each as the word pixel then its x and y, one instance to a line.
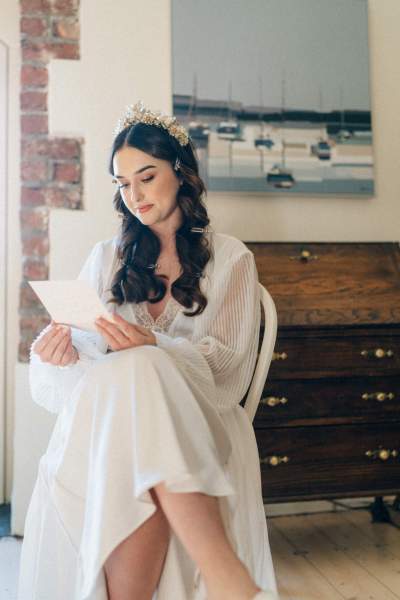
pixel 331 283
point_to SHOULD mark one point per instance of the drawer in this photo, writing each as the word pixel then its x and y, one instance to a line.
pixel 331 284
pixel 341 356
pixel 294 402
pixel 329 461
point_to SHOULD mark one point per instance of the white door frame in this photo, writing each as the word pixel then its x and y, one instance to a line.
pixel 4 92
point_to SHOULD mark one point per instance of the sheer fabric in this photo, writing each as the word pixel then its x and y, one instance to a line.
pixel 129 419
pixel 218 347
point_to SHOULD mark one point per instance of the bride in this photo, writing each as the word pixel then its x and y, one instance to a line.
pixel 150 486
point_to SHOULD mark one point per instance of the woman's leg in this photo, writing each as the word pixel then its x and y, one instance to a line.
pixel 134 568
pixel 196 520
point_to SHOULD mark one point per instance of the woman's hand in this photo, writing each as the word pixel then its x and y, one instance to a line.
pixel 55 346
pixel 122 334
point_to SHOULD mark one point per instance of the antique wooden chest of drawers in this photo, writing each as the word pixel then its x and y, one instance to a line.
pixel 328 424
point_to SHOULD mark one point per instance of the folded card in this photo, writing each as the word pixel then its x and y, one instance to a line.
pixel 73 302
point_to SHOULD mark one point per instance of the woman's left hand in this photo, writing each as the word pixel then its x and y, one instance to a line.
pixel 122 334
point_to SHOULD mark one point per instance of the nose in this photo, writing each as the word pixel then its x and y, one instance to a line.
pixel 133 191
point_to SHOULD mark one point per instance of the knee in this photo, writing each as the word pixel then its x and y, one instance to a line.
pixel 138 356
pixel 145 355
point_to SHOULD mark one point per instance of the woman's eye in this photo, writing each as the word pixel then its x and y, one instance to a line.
pixel 124 185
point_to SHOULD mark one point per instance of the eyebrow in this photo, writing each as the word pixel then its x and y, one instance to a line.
pixel 136 172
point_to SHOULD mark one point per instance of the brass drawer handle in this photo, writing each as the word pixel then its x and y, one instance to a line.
pixel 279 356
pixel 377 353
pixel 382 453
pixel 274 461
pixel 379 396
pixel 305 255
pixel 273 400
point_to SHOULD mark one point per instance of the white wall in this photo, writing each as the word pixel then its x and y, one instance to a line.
pixel 126 55
pixel 259 217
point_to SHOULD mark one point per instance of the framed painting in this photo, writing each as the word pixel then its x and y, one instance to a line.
pixel 275 94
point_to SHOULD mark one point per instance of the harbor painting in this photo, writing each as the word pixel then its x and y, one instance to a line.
pixel 275 94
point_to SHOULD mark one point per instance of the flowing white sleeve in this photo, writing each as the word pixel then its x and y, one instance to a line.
pixel 227 350
pixel 51 385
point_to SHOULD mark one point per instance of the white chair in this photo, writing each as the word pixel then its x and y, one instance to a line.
pixel 265 355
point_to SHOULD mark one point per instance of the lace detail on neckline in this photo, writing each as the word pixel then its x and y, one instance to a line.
pixel 163 321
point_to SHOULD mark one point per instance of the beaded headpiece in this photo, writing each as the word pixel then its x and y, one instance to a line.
pixel 139 114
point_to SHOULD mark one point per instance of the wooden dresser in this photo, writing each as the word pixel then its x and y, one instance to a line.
pixel 328 424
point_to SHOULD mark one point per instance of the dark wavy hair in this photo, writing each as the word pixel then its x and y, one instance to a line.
pixel 139 248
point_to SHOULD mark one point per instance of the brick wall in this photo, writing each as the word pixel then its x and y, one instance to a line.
pixel 51 167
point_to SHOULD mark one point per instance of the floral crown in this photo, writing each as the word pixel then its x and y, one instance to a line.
pixel 139 114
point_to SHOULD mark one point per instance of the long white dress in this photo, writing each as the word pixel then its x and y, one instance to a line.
pixel 130 419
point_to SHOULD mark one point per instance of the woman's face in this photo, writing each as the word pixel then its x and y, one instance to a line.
pixel 148 188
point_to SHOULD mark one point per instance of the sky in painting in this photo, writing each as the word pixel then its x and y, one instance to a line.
pixel 320 48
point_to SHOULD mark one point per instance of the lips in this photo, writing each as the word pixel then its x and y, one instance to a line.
pixel 144 208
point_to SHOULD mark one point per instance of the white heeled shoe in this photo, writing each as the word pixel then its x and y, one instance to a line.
pixel 265 595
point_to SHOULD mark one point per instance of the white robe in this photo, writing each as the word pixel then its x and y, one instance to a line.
pixel 132 418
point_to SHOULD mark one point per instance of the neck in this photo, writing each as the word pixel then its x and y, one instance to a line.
pixel 166 231
pixel 168 243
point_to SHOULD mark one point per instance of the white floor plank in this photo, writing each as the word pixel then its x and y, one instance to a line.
pixel 10 549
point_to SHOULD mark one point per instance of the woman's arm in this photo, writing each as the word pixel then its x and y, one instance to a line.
pixel 51 385
pixel 228 350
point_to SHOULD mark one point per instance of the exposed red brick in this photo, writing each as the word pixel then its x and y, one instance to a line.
pixel 33 100
pixel 65 7
pixel 63 198
pixel 32 196
pixel 34 124
pixel 61 50
pixel 66 28
pixel 63 148
pixel 43 51
pixel 35 218
pixel 33 147
pixel 35 269
pixel 34 170
pixel 33 26
pixel 28 6
pixel 34 76
pixel 35 245
pixel 23 351
pixel 34 51
pixel 33 322
pixel 27 297
pixel 49 29
pixel 67 172
pixel 30 327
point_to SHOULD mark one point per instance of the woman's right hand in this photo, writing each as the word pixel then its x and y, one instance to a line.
pixel 55 346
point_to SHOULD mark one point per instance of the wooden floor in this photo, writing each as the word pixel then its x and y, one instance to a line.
pixel 335 556
pixel 319 556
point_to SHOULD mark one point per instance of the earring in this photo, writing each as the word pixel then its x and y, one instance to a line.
pixel 177 164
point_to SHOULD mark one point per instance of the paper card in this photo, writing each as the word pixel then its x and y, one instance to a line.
pixel 71 302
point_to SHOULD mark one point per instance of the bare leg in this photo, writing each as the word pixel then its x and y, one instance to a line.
pixel 196 520
pixel 134 568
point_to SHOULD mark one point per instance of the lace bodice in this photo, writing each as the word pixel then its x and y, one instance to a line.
pixel 163 322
